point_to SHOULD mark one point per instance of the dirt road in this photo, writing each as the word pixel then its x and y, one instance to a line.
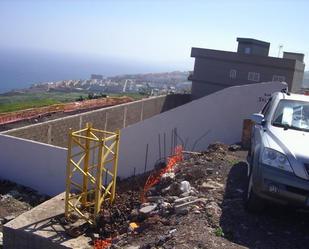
pixel 222 222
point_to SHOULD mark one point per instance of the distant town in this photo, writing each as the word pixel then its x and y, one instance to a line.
pixel 144 84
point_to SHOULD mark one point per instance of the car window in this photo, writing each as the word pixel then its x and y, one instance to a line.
pixel 292 114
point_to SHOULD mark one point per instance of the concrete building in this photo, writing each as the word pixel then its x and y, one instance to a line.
pixel 216 69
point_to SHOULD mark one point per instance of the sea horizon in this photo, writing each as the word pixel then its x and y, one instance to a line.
pixel 21 69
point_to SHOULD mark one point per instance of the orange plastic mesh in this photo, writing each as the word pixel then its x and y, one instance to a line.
pixel 154 178
pixel 102 244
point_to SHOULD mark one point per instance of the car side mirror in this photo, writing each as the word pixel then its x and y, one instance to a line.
pixel 258 118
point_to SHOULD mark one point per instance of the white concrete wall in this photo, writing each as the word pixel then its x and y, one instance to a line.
pixel 36 165
pixel 216 117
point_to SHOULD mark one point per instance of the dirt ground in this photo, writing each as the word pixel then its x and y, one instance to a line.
pixel 42 118
pixel 221 222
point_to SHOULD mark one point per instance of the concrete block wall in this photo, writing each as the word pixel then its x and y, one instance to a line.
pixel 55 132
pixel 134 113
pixel 33 132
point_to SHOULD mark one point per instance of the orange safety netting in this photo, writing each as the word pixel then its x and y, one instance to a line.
pixel 154 178
pixel 11 117
pixel 102 244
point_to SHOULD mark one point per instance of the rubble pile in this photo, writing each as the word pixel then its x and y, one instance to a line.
pixel 187 190
pixel 16 199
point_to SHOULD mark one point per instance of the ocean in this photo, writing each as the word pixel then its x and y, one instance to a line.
pixel 20 69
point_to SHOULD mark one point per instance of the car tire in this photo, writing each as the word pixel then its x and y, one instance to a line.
pixel 252 202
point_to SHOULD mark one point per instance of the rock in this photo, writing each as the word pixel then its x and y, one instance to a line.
pixel 185 186
pixel 95 236
pixel 173 189
pixel 213 209
pixel 168 176
pixel 162 239
pixel 148 208
pixel 217 147
pixel 134 215
pixel 234 147
pixel 134 212
pixel 172 231
pixel 165 205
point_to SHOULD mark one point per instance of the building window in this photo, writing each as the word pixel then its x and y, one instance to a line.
pixel 253 76
pixel 247 50
pixel 279 78
pixel 233 73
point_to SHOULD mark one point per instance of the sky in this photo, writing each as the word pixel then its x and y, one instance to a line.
pixel 150 31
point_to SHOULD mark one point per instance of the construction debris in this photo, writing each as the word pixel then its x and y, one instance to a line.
pixel 15 200
pixel 170 195
pixel 212 215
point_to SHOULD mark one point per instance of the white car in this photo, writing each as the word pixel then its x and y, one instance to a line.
pixel 279 155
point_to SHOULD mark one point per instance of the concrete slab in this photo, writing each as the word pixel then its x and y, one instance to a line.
pixel 40 228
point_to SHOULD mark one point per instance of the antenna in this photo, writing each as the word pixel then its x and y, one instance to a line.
pixel 280 48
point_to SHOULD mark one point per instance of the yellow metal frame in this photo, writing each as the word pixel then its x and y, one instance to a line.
pixel 100 147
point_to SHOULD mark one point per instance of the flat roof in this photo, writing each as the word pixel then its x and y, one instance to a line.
pixel 301 54
pixel 253 41
pixel 243 58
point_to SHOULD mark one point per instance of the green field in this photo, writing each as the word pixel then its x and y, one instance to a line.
pixel 15 102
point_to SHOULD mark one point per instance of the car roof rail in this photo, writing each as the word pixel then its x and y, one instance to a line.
pixel 285 90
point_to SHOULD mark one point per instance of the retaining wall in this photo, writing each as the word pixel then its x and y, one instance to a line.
pixel 216 117
pixel 55 132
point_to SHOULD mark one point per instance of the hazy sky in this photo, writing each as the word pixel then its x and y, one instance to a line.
pixel 151 31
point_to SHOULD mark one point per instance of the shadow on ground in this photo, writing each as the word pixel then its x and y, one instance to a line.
pixel 276 227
